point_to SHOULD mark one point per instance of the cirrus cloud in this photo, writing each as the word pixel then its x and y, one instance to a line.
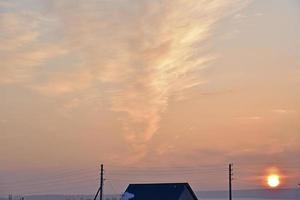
pixel 146 51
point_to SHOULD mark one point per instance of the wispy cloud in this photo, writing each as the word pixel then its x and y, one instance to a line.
pixel 250 118
pixel 283 111
pixel 60 84
pixel 21 49
pixel 146 51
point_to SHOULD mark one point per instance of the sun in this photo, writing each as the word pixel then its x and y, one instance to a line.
pixel 273 180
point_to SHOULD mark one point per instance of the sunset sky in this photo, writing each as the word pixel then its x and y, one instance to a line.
pixel 157 90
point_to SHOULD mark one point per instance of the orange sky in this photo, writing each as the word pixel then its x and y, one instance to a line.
pixel 184 86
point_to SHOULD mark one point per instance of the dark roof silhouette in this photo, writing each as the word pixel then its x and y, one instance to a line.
pixel 161 191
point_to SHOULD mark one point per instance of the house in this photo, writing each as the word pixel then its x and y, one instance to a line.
pixel 159 191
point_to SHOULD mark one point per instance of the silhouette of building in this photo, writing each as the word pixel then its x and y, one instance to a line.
pixel 159 191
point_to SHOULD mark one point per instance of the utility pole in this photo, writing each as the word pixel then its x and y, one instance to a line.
pixel 100 189
pixel 230 180
pixel 101 182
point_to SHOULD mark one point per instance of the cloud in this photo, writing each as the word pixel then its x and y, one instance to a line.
pixel 22 50
pixel 161 54
pixel 145 51
pixel 60 84
pixel 283 111
pixel 6 4
pixel 250 118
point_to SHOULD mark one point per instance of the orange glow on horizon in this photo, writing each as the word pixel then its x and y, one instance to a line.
pixel 273 178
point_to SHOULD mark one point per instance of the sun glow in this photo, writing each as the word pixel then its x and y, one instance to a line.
pixel 273 180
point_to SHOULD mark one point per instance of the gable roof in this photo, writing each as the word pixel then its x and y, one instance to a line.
pixel 159 191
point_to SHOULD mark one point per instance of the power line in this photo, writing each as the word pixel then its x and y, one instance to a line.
pixel 61 180
pixel 55 176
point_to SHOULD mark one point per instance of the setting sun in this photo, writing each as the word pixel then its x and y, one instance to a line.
pixel 273 180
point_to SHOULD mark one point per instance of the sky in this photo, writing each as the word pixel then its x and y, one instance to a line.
pixel 156 90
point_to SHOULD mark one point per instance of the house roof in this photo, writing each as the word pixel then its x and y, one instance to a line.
pixel 159 191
